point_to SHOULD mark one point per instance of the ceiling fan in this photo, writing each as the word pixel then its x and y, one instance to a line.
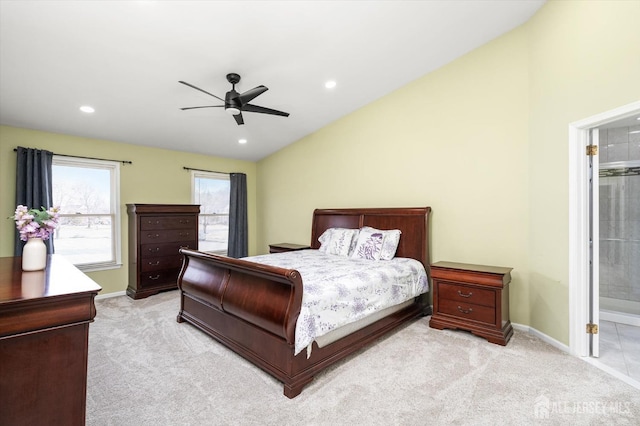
pixel 235 103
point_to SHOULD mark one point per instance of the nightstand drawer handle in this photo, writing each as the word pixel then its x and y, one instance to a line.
pixel 152 235
pixel 465 311
pixel 156 263
pixel 465 295
pixel 158 276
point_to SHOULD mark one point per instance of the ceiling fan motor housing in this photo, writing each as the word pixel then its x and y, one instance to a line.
pixel 231 102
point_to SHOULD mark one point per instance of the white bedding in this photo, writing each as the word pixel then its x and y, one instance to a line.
pixel 340 290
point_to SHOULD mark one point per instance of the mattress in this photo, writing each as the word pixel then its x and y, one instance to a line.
pixel 340 291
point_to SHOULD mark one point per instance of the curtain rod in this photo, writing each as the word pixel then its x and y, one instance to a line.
pixel 87 158
pixel 210 171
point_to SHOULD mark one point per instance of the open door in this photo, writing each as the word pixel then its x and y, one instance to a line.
pixel 584 230
pixel 594 243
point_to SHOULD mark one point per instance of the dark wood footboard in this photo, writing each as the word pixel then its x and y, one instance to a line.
pixel 253 308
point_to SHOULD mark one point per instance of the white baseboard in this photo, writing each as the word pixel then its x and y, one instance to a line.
pixel 109 295
pixel 620 318
pixel 545 338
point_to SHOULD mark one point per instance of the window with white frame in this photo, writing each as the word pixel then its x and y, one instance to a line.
pixel 87 192
pixel 211 191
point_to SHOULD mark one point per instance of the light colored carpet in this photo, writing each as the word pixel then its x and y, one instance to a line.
pixel 146 369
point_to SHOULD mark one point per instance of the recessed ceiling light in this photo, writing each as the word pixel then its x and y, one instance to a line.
pixel 330 84
pixel 87 109
pixel 242 141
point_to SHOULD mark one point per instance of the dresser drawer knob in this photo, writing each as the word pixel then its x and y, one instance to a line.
pixel 184 234
pixel 465 311
pixel 157 222
pixel 184 221
pixel 153 236
pixel 465 295
pixel 156 263
pixel 154 250
pixel 158 276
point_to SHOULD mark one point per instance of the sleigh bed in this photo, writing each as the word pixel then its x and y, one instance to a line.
pixel 253 308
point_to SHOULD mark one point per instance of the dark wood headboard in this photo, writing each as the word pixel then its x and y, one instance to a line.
pixel 413 222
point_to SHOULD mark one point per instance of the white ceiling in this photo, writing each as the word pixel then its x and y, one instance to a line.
pixel 125 58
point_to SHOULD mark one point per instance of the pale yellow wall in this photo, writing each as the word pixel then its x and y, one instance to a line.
pixel 455 140
pixel 156 176
pixel 585 60
pixel 484 141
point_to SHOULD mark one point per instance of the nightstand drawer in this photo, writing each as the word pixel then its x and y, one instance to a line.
pixel 464 294
pixel 467 311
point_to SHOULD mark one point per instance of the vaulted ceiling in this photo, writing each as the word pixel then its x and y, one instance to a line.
pixel 125 58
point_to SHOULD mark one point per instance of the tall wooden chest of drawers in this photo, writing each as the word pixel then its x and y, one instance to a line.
pixel 156 233
pixel 473 298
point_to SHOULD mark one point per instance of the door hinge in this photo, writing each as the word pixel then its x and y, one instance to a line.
pixel 592 328
pixel 592 149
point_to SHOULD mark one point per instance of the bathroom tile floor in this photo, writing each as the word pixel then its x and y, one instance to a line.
pixel 620 348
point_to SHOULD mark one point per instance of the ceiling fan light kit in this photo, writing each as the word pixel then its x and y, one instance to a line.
pixel 235 103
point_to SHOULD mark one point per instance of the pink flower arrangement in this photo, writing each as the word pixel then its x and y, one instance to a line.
pixel 34 223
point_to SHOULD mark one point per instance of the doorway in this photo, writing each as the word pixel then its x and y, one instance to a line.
pixel 584 238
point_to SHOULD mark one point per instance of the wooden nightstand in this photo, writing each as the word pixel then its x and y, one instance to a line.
pixel 473 298
pixel 282 247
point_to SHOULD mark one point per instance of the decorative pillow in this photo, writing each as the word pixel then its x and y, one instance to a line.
pixel 390 242
pixel 338 241
pixel 369 245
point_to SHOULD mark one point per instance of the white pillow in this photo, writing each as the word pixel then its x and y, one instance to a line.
pixel 369 245
pixel 338 241
pixel 389 243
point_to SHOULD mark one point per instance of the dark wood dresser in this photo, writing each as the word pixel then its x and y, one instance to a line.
pixel 473 298
pixel 44 341
pixel 156 233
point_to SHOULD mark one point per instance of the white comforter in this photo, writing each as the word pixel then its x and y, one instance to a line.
pixel 340 290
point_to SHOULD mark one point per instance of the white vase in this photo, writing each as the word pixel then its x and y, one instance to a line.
pixel 34 255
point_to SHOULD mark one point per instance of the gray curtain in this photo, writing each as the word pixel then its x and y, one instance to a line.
pixel 33 185
pixel 238 229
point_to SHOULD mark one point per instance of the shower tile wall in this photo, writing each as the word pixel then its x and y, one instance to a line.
pixel 619 144
pixel 620 218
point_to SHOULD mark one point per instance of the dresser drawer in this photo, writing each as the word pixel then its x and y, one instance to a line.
pixel 165 249
pixel 467 311
pixel 464 294
pixel 155 278
pixel 167 222
pixel 159 263
pixel 163 236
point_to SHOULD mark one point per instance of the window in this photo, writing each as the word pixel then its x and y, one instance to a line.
pixel 211 191
pixel 87 192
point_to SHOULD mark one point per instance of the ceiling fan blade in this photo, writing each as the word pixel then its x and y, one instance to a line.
pixel 197 88
pixel 239 119
pixel 247 96
pixel 263 110
pixel 208 106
